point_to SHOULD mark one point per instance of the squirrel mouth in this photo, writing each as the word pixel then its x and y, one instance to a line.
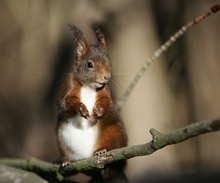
pixel 99 85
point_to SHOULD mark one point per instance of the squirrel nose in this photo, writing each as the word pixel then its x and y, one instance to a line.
pixel 107 77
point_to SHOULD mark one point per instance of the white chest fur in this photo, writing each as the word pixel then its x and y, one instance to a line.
pixel 88 98
pixel 79 135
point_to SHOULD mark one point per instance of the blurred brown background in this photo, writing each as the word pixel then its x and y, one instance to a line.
pixel 180 88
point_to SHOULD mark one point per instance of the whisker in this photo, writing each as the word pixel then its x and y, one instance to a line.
pixel 119 81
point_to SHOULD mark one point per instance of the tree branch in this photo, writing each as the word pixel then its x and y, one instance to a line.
pixel 161 50
pixel 159 140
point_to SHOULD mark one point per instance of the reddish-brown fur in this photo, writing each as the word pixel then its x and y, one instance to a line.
pixel 112 133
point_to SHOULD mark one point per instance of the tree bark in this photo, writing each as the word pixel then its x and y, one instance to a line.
pixel 159 140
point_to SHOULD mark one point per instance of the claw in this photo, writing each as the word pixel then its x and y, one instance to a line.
pixel 98 153
pixel 65 163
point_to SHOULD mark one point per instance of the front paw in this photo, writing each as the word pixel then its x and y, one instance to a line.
pixel 82 110
pixel 98 111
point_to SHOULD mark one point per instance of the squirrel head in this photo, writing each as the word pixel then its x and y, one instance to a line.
pixel 92 65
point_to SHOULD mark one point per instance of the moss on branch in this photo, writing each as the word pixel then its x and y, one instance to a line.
pixel 159 140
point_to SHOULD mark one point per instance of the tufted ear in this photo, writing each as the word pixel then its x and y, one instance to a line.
pixel 100 37
pixel 81 45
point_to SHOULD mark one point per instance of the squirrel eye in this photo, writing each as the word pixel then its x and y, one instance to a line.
pixel 90 64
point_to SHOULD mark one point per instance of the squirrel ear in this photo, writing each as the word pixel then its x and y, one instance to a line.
pixel 100 37
pixel 81 45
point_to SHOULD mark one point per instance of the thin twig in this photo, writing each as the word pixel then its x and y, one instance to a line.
pixel 161 50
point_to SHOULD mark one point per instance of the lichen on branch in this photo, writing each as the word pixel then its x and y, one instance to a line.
pixel 159 140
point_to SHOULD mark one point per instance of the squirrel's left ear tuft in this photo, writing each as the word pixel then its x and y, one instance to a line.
pixel 100 37
pixel 82 47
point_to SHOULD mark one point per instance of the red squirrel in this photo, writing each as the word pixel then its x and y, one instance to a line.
pixel 88 122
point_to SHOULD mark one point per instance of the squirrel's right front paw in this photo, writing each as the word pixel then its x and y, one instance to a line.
pixel 82 110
